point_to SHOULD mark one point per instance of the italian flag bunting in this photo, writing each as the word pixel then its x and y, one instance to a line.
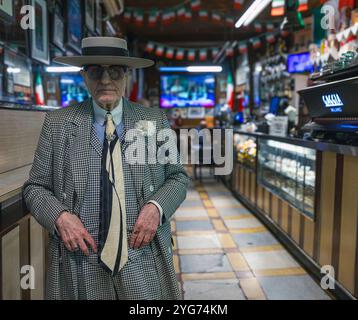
pixel 195 5
pixel 139 17
pixel 214 52
pixel 238 4
pixel 256 43
pixel 242 47
pixel 230 22
pixel 216 17
pixel 127 16
pixel 170 53
pixel 191 55
pixel 188 15
pixel 270 27
pixel 203 54
pixel 166 18
pixel 181 13
pixel 159 51
pixel 278 8
pixel 303 5
pixel 230 92
pixel 270 38
pixel 39 91
pixel 203 15
pixel 229 52
pixel 258 27
pixel 150 47
pixel 152 19
pixel 180 54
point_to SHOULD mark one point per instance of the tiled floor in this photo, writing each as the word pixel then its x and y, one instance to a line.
pixel 223 252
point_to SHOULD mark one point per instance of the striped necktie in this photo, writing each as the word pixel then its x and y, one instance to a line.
pixel 113 229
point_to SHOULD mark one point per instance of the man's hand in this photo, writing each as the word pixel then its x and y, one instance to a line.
pixel 145 227
pixel 74 234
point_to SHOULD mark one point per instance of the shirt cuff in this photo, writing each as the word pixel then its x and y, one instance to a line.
pixel 160 210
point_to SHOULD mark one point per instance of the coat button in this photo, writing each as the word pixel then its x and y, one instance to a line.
pixel 151 188
pixel 64 196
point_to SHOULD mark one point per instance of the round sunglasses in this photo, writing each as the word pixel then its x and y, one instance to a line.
pixel 95 72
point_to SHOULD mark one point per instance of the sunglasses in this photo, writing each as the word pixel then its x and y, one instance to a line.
pixel 95 72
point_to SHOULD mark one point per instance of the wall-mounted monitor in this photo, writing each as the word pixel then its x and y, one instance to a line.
pixel 73 89
pixel 299 63
pixel 187 90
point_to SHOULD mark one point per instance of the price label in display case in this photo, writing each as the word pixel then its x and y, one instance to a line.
pixel 279 126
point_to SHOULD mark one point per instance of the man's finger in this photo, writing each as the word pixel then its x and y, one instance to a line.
pixel 147 239
pixel 83 247
pixel 89 239
pixel 138 240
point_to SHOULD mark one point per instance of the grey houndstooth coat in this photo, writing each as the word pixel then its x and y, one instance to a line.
pixel 66 171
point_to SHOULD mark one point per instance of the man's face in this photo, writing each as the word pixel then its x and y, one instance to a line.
pixel 106 84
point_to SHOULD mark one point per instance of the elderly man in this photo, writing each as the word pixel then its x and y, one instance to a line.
pixel 108 218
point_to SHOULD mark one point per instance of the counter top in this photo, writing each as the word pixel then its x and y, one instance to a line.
pixel 26 107
pixel 12 181
pixel 317 145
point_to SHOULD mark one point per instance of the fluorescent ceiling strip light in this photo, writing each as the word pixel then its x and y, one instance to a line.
pixel 62 69
pixel 262 5
pixel 256 7
pixel 204 69
pixel 13 70
pixel 172 69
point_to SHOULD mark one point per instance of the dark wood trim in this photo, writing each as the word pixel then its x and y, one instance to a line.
pixel 289 218
pixel 24 229
pixel 337 215
pixel 279 213
pixel 317 207
pixel 1 294
pixel 356 265
pixel 270 205
pixel 249 192
pixel 243 181
pixel 302 230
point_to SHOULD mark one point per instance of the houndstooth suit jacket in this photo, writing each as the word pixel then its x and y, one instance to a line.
pixel 66 166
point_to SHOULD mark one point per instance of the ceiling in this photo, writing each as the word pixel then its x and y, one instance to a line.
pixel 195 32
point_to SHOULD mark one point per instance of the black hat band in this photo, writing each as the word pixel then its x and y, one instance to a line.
pixel 104 51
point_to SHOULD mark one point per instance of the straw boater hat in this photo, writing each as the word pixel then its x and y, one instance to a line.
pixel 105 51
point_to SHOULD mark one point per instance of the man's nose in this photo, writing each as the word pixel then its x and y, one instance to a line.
pixel 105 77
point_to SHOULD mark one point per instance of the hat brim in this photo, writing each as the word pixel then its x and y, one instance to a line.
pixel 80 61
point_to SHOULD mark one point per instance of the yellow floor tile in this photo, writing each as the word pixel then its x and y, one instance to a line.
pixel 208 203
pixel 226 241
pixel 191 218
pixel 252 289
pixel 203 195
pixel 248 230
pixel 262 248
pixel 195 233
pixel 176 263
pixel 238 217
pixel 200 251
pixel 237 261
pixel 208 276
pixel 173 225
pixel 213 213
pixel 218 225
pixel 280 272
pixel 191 208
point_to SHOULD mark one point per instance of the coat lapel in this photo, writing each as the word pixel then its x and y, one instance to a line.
pixel 80 147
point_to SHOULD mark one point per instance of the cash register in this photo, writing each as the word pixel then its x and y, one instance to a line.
pixel 333 101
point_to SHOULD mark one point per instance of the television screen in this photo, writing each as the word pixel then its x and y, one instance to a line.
pixel 73 89
pixel 299 63
pixel 187 90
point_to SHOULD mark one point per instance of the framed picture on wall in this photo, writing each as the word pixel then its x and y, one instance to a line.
pixel 7 10
pixel 90 14
pixel 74 24
pixel 99 21
pixel 39 38
pixel 58 31
pixel 196 113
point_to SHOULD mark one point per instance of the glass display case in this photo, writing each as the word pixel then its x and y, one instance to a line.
pixel 289 172
pixel 245 150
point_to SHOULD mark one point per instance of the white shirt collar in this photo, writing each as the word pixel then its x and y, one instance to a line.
pixel 99 113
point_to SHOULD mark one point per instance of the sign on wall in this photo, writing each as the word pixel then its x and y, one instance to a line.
pixel 6 9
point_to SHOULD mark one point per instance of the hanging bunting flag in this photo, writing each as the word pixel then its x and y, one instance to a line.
pixel 172 16
pixel 242 47
pixel 180 54
pixel 230 95
pixel 191 55
pixel 278 8
pixel 39 91
pixel 188 15
pixel 214 52
pixel 238 4
pixel 159 51
pixel 258 27
pixel 152 19
pixel 150 47
pixel 216 17
pixel 139 17
pixel 230 22
pixel 169 53
pixel 195 5
pixel 127 16
pixel 256 43
pixel 284 33
pixel 270 27
pixel 203 54
pixel 270 38
pixel 303 5
pixel 203 15
pixel 181 13
pixel 229 52
pixel 166 17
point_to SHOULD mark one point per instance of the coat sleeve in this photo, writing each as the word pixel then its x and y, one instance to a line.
pixel 38 190
pixel 173 192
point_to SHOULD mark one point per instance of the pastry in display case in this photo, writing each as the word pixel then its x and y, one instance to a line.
pixel 245 150
pixel 289 172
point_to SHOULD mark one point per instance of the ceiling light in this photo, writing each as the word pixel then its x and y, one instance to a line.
pixel 13 70
pixel 62 69
pixel 252 12
pixel 204 69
